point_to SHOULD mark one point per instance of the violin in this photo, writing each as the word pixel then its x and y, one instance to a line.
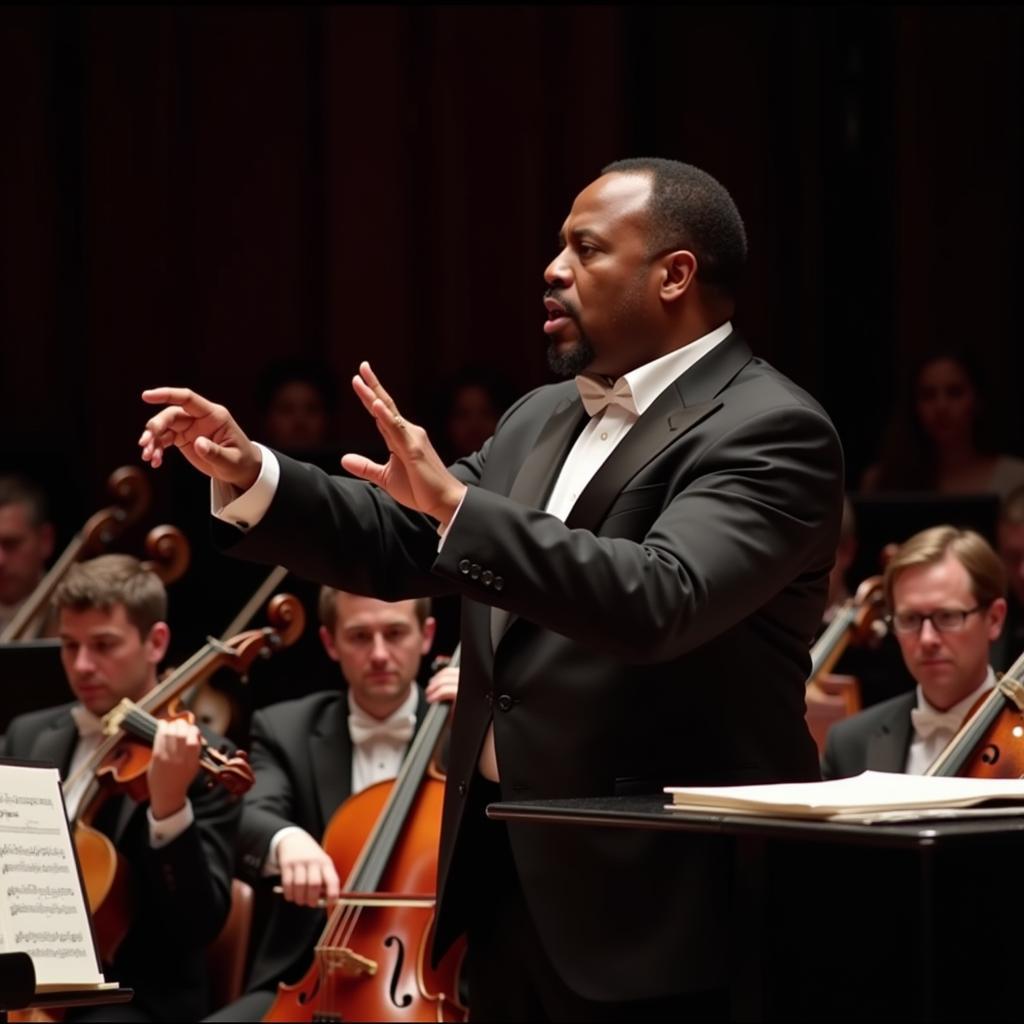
pixel 372 961
pixel 132 494
pixel 122 759
pixel 990 743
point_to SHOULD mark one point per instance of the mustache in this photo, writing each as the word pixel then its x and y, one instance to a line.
pixel 565 303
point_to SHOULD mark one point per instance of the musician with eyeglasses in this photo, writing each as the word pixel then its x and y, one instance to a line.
pixel 946 592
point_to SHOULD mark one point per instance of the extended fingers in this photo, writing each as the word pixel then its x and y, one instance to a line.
pixel 194 404
pixel 374 385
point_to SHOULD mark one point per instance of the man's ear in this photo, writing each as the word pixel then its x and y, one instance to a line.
pixel 679 270
pixel 996 617
pixel 429 629
pixel 158 641
pixel 328 641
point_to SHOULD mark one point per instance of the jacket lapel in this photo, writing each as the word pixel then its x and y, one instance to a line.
pixel 330 750
pixel 56 742
pixel 887 748
pixel 537 476
pixel 681 406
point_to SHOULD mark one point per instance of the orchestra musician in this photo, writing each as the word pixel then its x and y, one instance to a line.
pixel 26 545
pixel 310 754
pixel 180 845
pixel 644 558
pixel 946 591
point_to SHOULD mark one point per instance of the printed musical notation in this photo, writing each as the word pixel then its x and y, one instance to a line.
pixel 42 907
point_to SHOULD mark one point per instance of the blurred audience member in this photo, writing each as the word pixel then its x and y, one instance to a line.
pixel 468 408
pixel 1010 541
pixel 297 398
pixel 26 543
pixel 940 438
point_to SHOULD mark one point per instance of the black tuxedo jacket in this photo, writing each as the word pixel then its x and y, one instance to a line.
pixel 301 754
pixel 183 889
pixel 877 739
pixel 659 636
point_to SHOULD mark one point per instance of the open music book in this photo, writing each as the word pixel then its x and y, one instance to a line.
pixel 43 909
pixel 868 797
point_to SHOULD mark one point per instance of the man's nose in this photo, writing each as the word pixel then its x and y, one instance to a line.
pixel 929 634
pixel 379 651
pixel 557 273
pixel 83 660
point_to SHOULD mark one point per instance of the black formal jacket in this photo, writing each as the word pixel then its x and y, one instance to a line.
pixel 658 637
pixel 183 889
pixel 876 739
pixel 301 753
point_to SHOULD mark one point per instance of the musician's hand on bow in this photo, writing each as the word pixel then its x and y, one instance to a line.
pixel 414 475
pixel 205 433
pixel 307 873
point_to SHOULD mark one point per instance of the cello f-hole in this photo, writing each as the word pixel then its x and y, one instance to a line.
pixel 403 1003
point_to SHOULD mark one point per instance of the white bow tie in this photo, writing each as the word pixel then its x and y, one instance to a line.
pixel 597 395
pixel 367 729
pixel 86 722
pixel 927 721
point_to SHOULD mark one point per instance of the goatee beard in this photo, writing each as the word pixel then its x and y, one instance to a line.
pixel 568 362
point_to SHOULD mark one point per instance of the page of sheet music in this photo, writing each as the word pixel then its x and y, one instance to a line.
pixel 43 909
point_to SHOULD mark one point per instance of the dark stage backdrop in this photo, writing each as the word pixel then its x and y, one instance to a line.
pixel 190 192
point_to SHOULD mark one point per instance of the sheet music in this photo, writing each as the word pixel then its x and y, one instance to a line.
pixel 43 909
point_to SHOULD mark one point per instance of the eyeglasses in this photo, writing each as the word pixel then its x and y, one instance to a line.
pixel 943 620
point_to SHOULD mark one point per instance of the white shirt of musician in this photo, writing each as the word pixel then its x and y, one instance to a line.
pixel 924 750
pixel 598 439
pixel 375 760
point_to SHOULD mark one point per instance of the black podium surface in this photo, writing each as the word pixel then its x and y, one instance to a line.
pixel 908 921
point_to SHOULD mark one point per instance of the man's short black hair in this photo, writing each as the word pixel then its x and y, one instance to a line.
pixel 691 210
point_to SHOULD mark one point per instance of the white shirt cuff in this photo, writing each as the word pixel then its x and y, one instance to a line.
pixel 246 509
pixel 270 865
pixel 443 530
pixel 166 830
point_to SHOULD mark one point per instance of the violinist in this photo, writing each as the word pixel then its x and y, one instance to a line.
pixel 26 544
pixel 310 754
pixel 113 630
pixel 946 591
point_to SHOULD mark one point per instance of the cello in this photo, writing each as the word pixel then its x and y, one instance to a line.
pixel 990 743
pixel 372 961
pixel 131 493
pixel 120 762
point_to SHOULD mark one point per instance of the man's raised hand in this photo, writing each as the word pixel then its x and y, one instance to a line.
pixel 205 433
pixel 414 475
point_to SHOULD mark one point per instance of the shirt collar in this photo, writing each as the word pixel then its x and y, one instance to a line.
pixel 407 709
pixel 648 381
pixel 961 707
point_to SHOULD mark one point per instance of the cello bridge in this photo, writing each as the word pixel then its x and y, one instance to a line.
pixel 346 962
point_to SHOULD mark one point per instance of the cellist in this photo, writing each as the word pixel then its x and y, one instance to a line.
pixel 946 592
pixel 178 847
pixel 310 754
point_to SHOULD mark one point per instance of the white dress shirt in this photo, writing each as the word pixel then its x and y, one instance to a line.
pixel 374 759
pixel 946 724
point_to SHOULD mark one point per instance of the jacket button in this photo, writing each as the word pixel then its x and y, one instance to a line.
pixel 474 571
pixel 464 566
pixel 505 702
pixel 487 577
pixel 499 582
pixel 462 789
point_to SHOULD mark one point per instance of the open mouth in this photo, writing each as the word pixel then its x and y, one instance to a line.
pixel 558 318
